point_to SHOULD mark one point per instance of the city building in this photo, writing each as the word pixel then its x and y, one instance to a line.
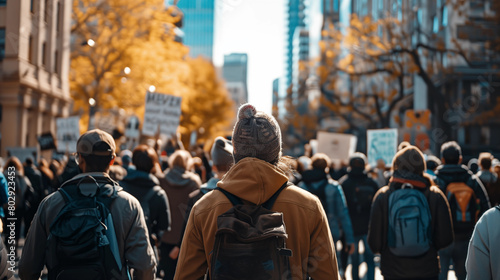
pixel 34 69
pixel 234 72
pixel 198 26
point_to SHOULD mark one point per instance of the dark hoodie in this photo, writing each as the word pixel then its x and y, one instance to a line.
pixel 449 173
pixel 359 217
pixel 138 183
pixel 178 184
pixel 426 265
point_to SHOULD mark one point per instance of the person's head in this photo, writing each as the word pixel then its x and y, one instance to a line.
pixel 29 161
pixel 95 151
pixel 473 165
pixel 432 162
pixel 321 161
pixel 180 159
pixel 357 162
pixel 16 163
pixel 126 156
pixel 451 153
pixel 403 145
pixel 485 160
pixel 409 160
pixel 256 134
pixel 222 154
pixel 145 159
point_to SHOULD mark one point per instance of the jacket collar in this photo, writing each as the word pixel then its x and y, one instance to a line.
pixel 253 180
pixel 400 178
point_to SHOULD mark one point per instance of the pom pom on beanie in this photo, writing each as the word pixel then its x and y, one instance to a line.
pixel 256 134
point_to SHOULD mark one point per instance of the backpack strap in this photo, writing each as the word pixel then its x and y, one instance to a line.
pixel 150 193
pixel 268 204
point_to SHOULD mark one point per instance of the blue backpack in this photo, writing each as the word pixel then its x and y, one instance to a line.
pixel 409 222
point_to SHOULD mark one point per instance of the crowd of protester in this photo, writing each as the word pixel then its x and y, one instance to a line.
pixel 168 185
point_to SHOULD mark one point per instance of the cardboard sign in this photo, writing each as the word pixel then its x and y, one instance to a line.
pixel 68 132
pixel 381 144
pixel 162 112
pixel 336 145
pixel 46 141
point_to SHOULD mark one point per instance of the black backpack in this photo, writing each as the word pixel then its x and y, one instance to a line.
pixel 360 197
pixel 250 242
pixel 82 241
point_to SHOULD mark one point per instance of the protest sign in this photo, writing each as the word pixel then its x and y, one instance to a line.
pixel 46 141
pixel 68 132
pixel 163 112
pixel 381 144
pixel 337 146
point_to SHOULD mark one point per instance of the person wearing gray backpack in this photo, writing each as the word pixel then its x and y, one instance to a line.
pixel 410 221
pixel 90 228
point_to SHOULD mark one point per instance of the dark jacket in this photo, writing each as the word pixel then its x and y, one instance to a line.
pixel 334 202
pixel 138 183
pixel 449 173
pixel 427 265
pixel 178 184
pixel 349 183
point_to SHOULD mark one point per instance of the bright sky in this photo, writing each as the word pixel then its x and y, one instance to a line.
pixel 257 28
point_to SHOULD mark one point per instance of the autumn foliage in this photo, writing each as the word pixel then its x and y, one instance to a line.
pixel 134 47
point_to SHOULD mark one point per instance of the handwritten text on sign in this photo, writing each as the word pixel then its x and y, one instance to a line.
pixel 163 111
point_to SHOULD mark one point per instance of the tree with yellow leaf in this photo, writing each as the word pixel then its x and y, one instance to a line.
pixel 369 66
pixel 122 47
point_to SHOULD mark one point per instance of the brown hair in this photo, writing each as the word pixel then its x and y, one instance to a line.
pixel 182 159
pixel 16 163
pixel 145 159
pixel 485 160
pixel 321 161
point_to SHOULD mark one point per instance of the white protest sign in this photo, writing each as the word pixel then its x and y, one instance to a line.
pixel 381 144
pixel 163 111
pixel 68 132
pixel 336 145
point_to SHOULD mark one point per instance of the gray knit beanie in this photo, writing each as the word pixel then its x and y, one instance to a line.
pixel 222 152
pixel 256 134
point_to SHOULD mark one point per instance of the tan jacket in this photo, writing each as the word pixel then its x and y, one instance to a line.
pixel 130 227
pixel 256 181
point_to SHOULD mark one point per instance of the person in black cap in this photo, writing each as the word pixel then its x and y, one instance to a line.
pixel 95 153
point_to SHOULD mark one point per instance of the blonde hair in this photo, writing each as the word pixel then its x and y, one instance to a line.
pixel 182 159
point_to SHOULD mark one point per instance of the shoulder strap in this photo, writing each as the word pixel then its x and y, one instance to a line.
pixel 268 204
pixel 149 194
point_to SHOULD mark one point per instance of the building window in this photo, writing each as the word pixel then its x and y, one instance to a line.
pixel 32 8
pixel 3 2
pixel 30 49
pixel 44 48
pixel 2 43
pixel 58 19
pixel 444 16
pixel 46 11
pixel 56 62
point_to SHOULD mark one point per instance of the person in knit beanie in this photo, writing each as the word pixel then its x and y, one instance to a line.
pixel 257 174
pixel 408 169
pixel 256 134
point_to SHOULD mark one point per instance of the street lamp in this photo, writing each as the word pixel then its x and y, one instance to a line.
pixel 92 107
pixel 152 88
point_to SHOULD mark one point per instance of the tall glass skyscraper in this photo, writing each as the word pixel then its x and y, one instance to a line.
pixel 198 26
